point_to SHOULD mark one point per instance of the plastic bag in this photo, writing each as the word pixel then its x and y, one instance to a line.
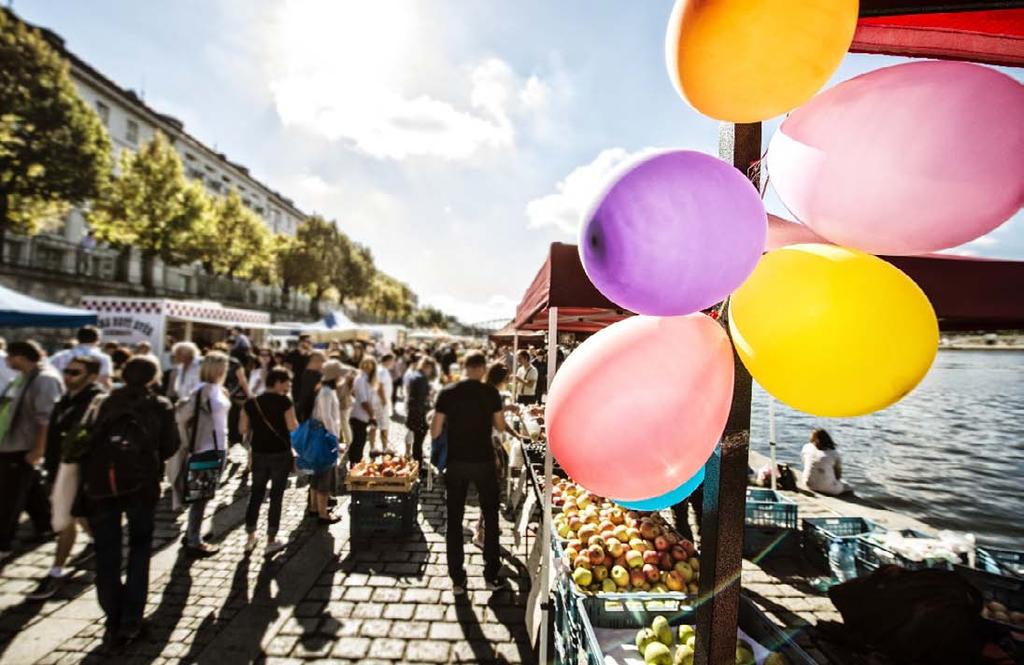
pixel 65 489
pixel 316 449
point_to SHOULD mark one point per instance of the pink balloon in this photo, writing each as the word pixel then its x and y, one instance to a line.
pixel 638 408
pixel 907 159
pixel 782 233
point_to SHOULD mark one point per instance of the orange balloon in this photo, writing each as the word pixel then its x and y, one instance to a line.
pixel 749 60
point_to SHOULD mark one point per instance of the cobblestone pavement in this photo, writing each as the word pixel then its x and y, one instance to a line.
pixel 324 598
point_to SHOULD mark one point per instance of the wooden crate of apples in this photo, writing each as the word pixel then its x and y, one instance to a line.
pixel 610 549
pixel 388 474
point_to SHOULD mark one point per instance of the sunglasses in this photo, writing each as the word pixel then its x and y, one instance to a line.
pixel 73 372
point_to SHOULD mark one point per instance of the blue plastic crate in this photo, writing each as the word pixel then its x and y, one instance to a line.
pixel 751 619
pixel 818 534
pixel 768 508
pixel 1000 561
pixel 383 514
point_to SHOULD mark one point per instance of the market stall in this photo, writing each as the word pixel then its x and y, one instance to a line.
pixel 21 311
pixel 161 321
pixel 336 326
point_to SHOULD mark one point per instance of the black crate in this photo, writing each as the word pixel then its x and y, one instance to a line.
pixel 383 514
pixel 1004 589
pixel 872 555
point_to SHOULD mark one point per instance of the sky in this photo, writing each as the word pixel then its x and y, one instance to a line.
pixel 456 139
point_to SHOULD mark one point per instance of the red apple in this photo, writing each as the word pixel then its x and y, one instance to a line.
pixel 672 538
pixel 665 561
pixel 678 553
pixel 621 561
pixel 637 578
pixel 616 517
pixel 651 573
pixel 609 560
pixel 661 543
pixel 651 557
pixel 606 527
pixel 582 561
pixel 596 555
pixel 689 547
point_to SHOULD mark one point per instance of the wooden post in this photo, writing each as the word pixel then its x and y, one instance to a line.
pixel 721 529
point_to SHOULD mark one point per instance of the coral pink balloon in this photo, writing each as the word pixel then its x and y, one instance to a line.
pixel 638 408
pixel 905 160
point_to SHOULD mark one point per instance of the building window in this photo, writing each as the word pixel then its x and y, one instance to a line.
pixel 215 186
pixel 132 133
pixel 194 173
pixel 103 111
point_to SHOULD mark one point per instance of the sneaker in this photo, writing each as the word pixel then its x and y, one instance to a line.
pixel 478 539
pixel 47 587
pixel 497 584
pixel 250 543
pixel 330 519
pixel 275 546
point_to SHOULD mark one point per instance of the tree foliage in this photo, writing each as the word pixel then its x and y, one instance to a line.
pixel 53 148
pixel 389 299
pixel 151 206
pixel 242 245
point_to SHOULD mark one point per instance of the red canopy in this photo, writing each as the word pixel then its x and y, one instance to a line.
pixel 967 293
pixel 562 283
pixel 993 36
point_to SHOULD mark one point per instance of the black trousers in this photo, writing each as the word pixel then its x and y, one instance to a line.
pixel 21 489
pixel 681 514
pixel 272 469
pixel 122 603
pixel 359 430
pixel 458 476
pixel 417 424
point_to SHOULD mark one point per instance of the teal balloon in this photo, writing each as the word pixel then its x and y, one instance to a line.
pixel 669 498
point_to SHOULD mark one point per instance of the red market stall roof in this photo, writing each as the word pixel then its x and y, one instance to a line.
pixel 508 333
pixel 985 31
pixel 562 283
pixel 967 293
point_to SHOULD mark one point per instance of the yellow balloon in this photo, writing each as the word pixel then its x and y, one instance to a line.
pixel 749 60
pixel 833 331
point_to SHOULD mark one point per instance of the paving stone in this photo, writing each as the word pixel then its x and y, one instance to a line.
pixel 375 628
pixel 359 594
pixel 353 648
pixel 382 595
pixel 427 651
pixel 410 630
pixel 429 596
pixel 390 649
pixel 368 611
pixel 400 611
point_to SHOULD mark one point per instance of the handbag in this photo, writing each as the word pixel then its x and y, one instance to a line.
pixel 65 489
pixel 202 475
pixel 316 449
pixel 439 451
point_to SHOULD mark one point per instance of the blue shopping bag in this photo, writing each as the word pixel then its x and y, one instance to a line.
pixel 315 448
pixel 439 451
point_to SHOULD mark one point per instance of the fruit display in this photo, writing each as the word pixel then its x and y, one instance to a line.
pixel 660 645
pixel 996 611
pixel 610 549
pixel 386 467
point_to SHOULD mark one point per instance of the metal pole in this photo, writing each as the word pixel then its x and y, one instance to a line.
pixel 545 567
pixel 771 437
pixel 515 352
pixel 721 529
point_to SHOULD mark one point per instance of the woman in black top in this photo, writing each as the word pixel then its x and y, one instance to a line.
pixel 270 417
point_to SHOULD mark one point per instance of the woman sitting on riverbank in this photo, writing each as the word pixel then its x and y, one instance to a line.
pixel 823 469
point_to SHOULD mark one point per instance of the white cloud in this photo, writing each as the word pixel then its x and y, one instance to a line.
pixel 495 308
pixel 575 193
pixel 357 72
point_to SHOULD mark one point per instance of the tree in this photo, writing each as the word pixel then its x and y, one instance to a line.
pixel 54 150
pixel 388 299
pixel 321 249
pixel 291 266
pixel 356 271
pixel 151 206
pixel 242 245
pixel 430 317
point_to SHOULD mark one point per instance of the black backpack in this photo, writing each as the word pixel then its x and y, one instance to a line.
pixel 122 457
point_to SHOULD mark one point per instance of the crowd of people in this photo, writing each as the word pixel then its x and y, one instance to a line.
pixel 92 437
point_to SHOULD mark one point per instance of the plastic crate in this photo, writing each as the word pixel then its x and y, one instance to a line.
pixel 1005 589
pixel 872 555
pixel 383 514
pixel 769 527
pixel 818 534
pixel 751 619
pixel 1000 561
pixel 568 625
pixel 768 508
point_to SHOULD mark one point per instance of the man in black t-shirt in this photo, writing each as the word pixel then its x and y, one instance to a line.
pixel 470 409
pixel 297 359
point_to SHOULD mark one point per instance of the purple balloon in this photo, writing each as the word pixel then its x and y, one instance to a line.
pixel 675 233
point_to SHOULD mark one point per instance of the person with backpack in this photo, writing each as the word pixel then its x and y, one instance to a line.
pixel 132 435
pixel 81 377
pixel 25 408
pixel 269 417
pixel 208 443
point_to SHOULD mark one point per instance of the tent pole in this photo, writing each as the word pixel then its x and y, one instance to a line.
pixel 545 568
pixel 512 369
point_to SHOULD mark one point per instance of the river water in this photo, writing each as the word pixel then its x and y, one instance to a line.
pixel 950 454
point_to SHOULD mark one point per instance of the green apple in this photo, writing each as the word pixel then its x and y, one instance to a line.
pixel 662 630
pixel 657 653
pixel 582 577
pixel 684 655
pixel 644 637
